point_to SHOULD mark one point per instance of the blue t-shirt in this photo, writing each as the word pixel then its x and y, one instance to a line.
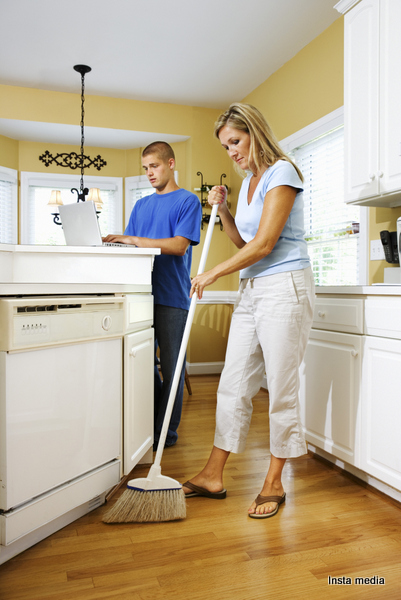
pixel 165 216
pixel 290 252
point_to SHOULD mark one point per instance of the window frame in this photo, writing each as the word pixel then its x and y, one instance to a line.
pixel 11 176
pixel 55 180
pixel 309 133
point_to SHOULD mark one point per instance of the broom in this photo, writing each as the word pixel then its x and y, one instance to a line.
pixel 157 497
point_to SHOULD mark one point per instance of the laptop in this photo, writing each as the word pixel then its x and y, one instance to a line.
pixel 81 225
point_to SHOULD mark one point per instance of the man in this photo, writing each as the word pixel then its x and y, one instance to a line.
pixel 170 220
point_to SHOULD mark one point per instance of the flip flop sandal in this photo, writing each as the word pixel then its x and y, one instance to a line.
pixel 261 500
pixel 200 491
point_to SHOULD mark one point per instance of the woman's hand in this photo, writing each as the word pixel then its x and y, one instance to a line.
pixel 199 283
pixel 217 195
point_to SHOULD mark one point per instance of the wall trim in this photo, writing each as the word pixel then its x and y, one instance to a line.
pixel 218 297
pixel 212 368
pixel 205 368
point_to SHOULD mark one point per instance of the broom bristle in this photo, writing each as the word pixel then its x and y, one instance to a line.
pixel 136 506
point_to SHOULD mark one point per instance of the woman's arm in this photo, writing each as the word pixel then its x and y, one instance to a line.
pixel 276 210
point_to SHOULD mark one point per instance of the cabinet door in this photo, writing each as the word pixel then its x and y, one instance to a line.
pixel 138 396
pixel 381 410
pixel 361 101
pixel 329 393
pixel 390 94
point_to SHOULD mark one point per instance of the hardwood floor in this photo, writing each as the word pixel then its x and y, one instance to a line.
pixel 328 526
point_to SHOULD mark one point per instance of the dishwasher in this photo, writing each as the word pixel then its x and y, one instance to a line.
pixel 61 370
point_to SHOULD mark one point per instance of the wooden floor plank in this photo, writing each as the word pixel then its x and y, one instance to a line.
pixel 329 526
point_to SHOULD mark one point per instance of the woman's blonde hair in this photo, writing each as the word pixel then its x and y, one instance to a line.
pixel 264 148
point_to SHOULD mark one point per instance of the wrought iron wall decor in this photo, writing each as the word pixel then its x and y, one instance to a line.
pixel 72 160
pixel 205 189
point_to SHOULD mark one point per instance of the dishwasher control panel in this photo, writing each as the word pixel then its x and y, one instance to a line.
pixel 42 321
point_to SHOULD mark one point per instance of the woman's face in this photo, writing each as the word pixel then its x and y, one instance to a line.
pixel 237 144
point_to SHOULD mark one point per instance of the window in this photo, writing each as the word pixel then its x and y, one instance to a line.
pixel 37 225
pixel 335 231
pixel 137 187
pixel 8 206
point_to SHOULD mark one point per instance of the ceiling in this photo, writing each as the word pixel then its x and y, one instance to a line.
pixel 207 53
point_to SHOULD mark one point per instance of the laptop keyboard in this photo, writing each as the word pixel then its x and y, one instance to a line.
pixel 114 244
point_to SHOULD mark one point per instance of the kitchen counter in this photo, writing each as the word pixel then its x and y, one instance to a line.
pixel 30 269
pixel 360 290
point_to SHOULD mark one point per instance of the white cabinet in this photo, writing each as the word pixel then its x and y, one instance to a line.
pixel 372 88
pixel 381 410
pixel 329 392
pixel 350 382
pixel 138 396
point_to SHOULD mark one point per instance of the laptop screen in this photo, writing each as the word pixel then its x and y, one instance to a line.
pixel 80 224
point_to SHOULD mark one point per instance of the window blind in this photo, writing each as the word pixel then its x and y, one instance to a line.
pixel 136 187
pixel 37 222
pixel 137 194
pixel 330 223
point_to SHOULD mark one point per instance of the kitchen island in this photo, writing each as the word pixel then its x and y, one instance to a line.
pixel 76 382
pixel 350 381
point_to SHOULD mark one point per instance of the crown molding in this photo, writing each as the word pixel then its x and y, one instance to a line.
pixel 345 5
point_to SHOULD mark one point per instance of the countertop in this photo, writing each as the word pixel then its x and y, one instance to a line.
pixel 119 250
pixel 360 290
pixel 31 269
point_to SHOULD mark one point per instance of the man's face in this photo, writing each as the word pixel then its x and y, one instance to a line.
pixel 158 172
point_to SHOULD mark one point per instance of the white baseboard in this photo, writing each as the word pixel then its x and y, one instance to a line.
pixel 218 297
pixel 205 368
pixel 211 368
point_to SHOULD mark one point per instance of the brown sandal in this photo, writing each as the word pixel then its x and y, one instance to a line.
pixel 262 500
pixel 200 491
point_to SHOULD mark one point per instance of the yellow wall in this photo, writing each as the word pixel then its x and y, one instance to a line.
pixel 29 153
pixel 8 153
pixel 307 87
pixel 201 152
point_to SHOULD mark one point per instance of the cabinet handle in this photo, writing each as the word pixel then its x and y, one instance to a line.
pixel 354 353
pixel 106 323
pixel 138 348
pixel 372 176
pixel 380 173
pixel 321 314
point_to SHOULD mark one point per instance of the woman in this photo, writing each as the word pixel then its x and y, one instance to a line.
pixel 271 323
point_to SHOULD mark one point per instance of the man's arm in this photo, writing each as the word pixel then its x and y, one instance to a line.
pixel 176 246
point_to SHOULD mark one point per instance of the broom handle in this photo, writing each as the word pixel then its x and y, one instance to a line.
pixel 184 342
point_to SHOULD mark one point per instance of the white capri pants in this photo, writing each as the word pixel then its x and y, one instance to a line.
pixel 269 331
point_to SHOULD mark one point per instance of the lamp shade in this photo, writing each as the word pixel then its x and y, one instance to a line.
pixel 55 198
pixel 94 196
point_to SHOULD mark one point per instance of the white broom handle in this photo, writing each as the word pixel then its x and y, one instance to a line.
pixel 184 342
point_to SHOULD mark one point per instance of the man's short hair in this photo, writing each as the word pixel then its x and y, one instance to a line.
pixel 163 151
